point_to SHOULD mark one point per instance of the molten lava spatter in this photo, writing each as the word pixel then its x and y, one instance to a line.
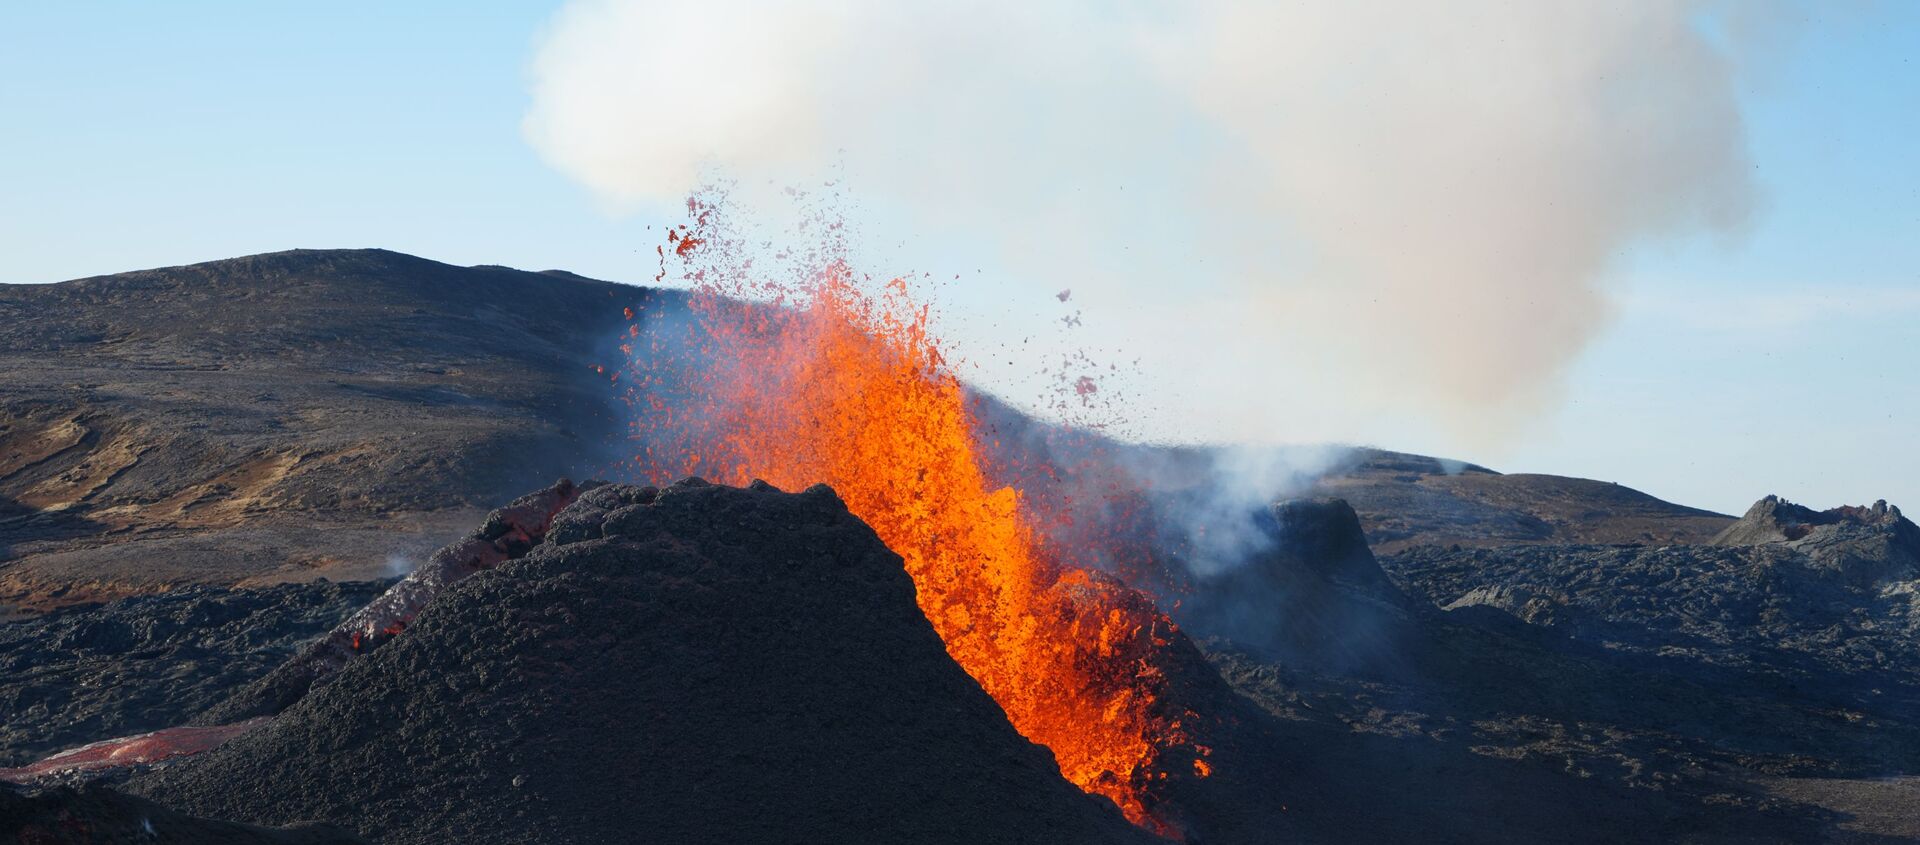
pixel 838 385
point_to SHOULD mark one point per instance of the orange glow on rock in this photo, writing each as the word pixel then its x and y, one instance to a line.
pixel 840 385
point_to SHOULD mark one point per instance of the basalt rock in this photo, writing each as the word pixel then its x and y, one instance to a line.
pixel 508 533
pixel 97 815
pixel 150 662
pixel 1865 545
pixel 1314 596
pixel 693 664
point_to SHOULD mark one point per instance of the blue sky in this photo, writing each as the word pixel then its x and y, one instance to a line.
pixel 1785 360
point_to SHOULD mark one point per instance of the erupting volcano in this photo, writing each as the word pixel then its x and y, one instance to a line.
pixel 847 385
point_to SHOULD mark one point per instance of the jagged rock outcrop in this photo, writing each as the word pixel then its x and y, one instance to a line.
pixel 1532 606
pixel 693 664
pixel 1865 545
pixel 1313 596
pixel 1323 536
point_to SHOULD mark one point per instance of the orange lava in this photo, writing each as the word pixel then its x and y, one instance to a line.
pixel 849 388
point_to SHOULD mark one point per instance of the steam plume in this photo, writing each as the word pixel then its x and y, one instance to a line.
pixel 1417 200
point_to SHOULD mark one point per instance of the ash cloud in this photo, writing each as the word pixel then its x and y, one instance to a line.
pixel 1427 196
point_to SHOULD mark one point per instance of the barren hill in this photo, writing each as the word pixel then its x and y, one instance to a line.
pixel 284 416
pixel 340 413
pixel 1408 500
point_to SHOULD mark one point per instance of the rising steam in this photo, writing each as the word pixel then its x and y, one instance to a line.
pixel 1414 201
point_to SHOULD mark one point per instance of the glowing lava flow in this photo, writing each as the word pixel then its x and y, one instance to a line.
pixel 849 388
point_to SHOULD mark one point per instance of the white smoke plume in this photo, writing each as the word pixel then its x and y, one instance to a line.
pixel 1418 200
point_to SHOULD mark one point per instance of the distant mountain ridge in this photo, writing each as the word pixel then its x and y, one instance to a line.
pixel 336 413
pixel 1410 500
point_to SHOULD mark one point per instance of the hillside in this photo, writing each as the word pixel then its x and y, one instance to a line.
pixel 282 417
pixel 339 413
pixel 1409 500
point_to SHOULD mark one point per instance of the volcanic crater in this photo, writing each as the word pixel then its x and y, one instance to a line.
pixel 698 663
pixel 211 475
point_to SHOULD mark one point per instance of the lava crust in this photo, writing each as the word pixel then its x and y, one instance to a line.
pixel 150 662
pixel 694 664
pixel 99 816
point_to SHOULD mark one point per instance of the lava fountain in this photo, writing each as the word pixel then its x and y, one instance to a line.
pixel 829 380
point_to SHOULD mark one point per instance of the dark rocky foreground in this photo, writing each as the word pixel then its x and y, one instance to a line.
pixel 1775 668
pixel 150 662
pixel 1829 611
pixel 753 662
pixel 507 533
pixel 700 664
pixel 1402 721
pixel 98 815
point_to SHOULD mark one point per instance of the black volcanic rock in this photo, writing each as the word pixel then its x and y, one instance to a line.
pixel 1766 605
pixel 1314 597
pixel 1800 591
pixel 149 662
pixel 1323 536
pixel 694 664
pixel 100 816
pixel 507 533
pixel 1797 664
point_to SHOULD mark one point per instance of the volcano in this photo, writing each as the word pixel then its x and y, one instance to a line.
pixel 210 477
pixel 1315 598
pixel 696 663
